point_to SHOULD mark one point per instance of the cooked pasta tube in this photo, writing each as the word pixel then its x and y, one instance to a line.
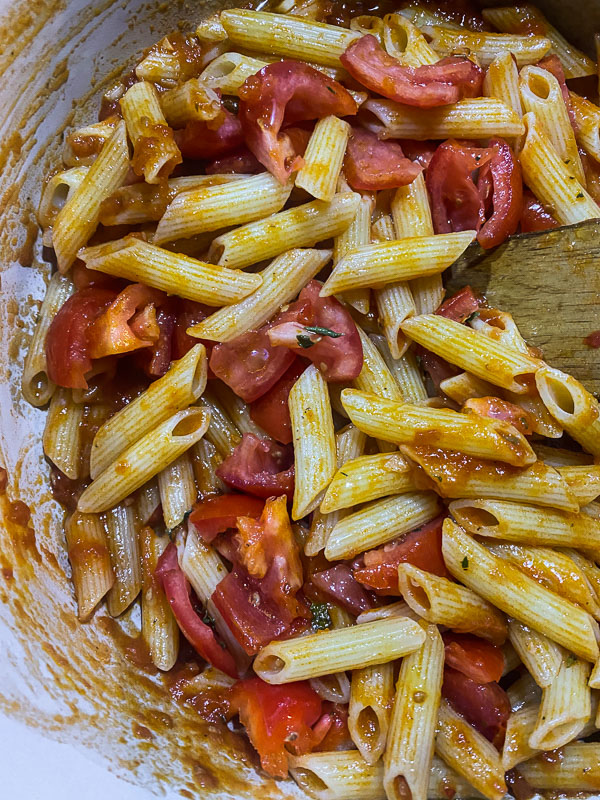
pixel 83 144
pixel 502 81
pixel 519 728
pixel 324 157
pixel 301 226
pixel 155 154
pixel 369 711
pixel 382 229
pixel 332 651
pixel 57 191
pixel 587 115
pixel 380 522
pixel 478 354
pixel 406 371
pixel 333 688
pixel 228 72
pixel 90 561
pixel 367 24
pixel 499 519
pixel 122 540
pixel 349 445
pixel 376 265
pixel 394 304
pixel 513 19
pixel 214 207
pixel 222 432
pixel 583 481
pixel 338 775
pixel 356 234
pixel 287 36
pixel 211 29
pixel 234 408
pixel 523 692
pixel 469 753
pixel 368 478
pixel 147 502
pixel 160 66
pixel 443 779
pixel 554 570
pixel 456 475
pixel 487 46
pixel 282 280
pixel 464 386
pixel 375 378
pixel 422 15
pixel 517 594
pixel 566 707
pixel 577 769
pixel 174 273
pixel 552 181
pixel 588 567
pixel 541 655
pixel 188 102
pixel 144 459
pixel 178 491
pixel 177 389
pixel 477 118
pixel 159 628
pixel 314 441
pixel 62 433
pixel 411 738
pixel 78 218
pixel 559 457
pixel 408 424
pixel 571 405
pixel 541 94
pixel 444 602
pixel 404 41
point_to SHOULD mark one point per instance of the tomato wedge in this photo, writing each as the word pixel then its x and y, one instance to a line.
pixel 271 411
pixel 474 657
pixel 217 514
pixel 485 706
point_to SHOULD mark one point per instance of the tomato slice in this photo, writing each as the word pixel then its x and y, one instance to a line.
pixel 479 660
pixel 217 514
pixel 460 305
pixel 485 706
pixel 271 411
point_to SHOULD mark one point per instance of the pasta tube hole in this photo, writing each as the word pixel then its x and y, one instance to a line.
pixel 539 85
pixel 271 665
pixel 560 395
pixel 199 377
pixel 478 518
pixel 419 596
pixel 559 735
pixel 309 782
pixel 190 424
pixel 401 789
pixel 39 385
pixel 367 724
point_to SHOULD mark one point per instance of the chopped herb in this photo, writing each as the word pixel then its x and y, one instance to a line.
pixel 579 195
pixel 331 89
pixel 345 474
pixel 321 621
pixel 208 620
pixel 571 660
pixel 523 421
pixel 304 340
pixel 438 478
pixel 465 563
pixel 508 437
pixel 472 316
pixel 567 160
pixel 323 331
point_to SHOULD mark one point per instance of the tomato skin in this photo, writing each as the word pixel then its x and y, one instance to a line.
pixel 259 466
pixel 460 305
pixel 484 705
pixel 479 660
pixel 199 140
pixel 276 715
pixel 371 164
pixel 534 216
pixel 271 411
pixel 506 178
pixel 217 514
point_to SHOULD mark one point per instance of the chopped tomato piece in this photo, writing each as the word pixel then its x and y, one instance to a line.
pixel 200 139
pixel 534 216
pixel 479 660
pixel 421 152
pixel 290 92
pixel 198 634
pixel 338 585
pixel 495 408
pixel 271 411
pixel 441 84
pixel 371 164
pixel 260 467
pixel 217 514
pixel 128 323
pixel 460 306
pixel 156 359
pixel 421 547
pixel 189 313
pixel 242 162
pixel 504 176
pixel 275 718
pixel 485 706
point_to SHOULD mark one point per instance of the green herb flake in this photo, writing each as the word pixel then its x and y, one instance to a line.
pixel 331 89
pixel 321 621
pixel 208 620
pixel 304 340
pixel 323 331
pixel 571 660
pixel 465 563
pixel 579 195
pixel 472 316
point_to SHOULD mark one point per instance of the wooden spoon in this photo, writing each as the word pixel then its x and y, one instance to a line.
pixel 550 283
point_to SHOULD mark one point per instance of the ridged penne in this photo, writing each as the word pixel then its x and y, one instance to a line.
pixel 89 556
pixel 368 478
pixel 178 491
pixel 573 407
pixel 177 389
pixel 566 706
pixel 407 424
pixel 122 541
pixel 587 116
pixel 214 207
pixel 583 481
pixel 357 233
pixel 577 769
pixel 375 378
pixel 62 433
pixel 540 655
pixel 404 41
pixel 189 102
pixel 282 280
pixel 486 46
pixel 332 651
pixel 406 371
pixel 323 158
pixel 147 502
pixel 523 692
pixel 229 71
pixel 56 193
pixel 222 432
pixel 369 710
pixel 519 726
pixel 159 628
pixel 174 273
pixel 444 602
pixel 338 775
pixel 301 226
pixel 502 81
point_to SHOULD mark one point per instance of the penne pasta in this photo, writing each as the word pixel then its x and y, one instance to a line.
pixel 540 655
pixel 502 81
pixel 178 491
pixel 405 42
pixel 57 191
pixel 519 727
pixel 338 775
pixel 222 431
pixel 369 711
pixel 122 541
pixel 330 651
pixel 228 72
pixel 478 354
pixel 409 754
pixel 587 117
pixel 174 273
pixel 464 386
pixel 478 118
pixel 375 378
pixel 376 265
pixel 213 207
pixel 518 595
pixel 323 158
pixel 287 36
pixel 572 406
pixel 577 769
pixel 191 101
pixel 89 556
pixel 559 457
pixel 583 481
pixel 147 502
pixel 159 628
pixel 523 692
pixel 566 707
pixel 406 371
pixel 314 441
pixel 144 459
pixel 407 424
pixel 282 280
pixel 78 218
pixel 399 609
pixel 487 46
pixel 367 478
pixel 444 602
pixel 380 522
pixel 176 390
pixel 62 433
pixel 301 226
